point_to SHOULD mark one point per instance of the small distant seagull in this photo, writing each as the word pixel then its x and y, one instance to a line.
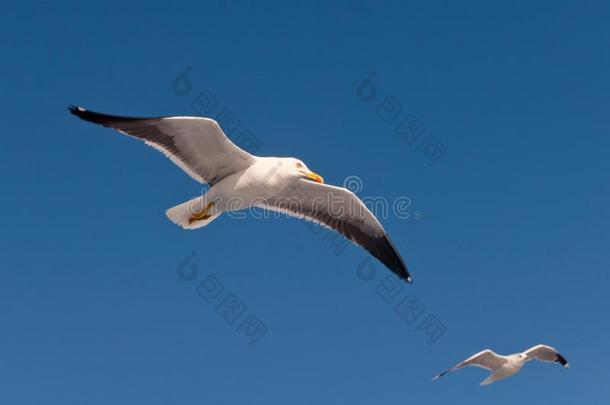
pixel 502 367
pixel 239 180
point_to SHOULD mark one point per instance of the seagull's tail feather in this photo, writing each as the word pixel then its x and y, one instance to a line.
pixel 488 380
pixel 193 214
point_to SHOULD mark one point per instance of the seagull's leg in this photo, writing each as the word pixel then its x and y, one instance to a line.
pixel 201 215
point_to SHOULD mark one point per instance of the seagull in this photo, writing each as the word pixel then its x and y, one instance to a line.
pixel 239 180
pixel 502 367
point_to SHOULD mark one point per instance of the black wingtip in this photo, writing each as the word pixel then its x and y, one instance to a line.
pixel 75 109
pixel 87 115
pixel 397 264
pixel 103 119
pixel 80 112
pixel 402 274
pixel 562 360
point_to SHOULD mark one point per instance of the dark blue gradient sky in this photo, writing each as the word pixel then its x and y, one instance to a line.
pixel 507 236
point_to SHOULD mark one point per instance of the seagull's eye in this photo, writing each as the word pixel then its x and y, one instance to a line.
pixel 299 165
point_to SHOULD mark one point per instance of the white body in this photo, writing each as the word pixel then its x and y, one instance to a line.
pixel 514 364
pixel 258 183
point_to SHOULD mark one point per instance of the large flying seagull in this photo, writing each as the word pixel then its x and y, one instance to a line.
pixel 239 180
pixel 502 367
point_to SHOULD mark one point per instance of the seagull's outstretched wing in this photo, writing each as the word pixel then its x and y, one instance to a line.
pixel 486 359
pixel 197 145
pixel 340 210
pixel 546 353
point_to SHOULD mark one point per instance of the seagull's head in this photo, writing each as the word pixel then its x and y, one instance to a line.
pixel 524 357
pixel 301 170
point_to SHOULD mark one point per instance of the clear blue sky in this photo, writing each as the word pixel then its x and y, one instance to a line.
pixel 511 248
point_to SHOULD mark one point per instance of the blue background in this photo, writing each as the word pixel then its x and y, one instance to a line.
pixel 511 248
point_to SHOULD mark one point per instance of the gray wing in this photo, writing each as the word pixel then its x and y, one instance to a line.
pixel 340 210
pixel 546 353
pixel 197 145
pixel 486 359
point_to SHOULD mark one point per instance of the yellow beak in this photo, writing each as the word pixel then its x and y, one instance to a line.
pixel 315 177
